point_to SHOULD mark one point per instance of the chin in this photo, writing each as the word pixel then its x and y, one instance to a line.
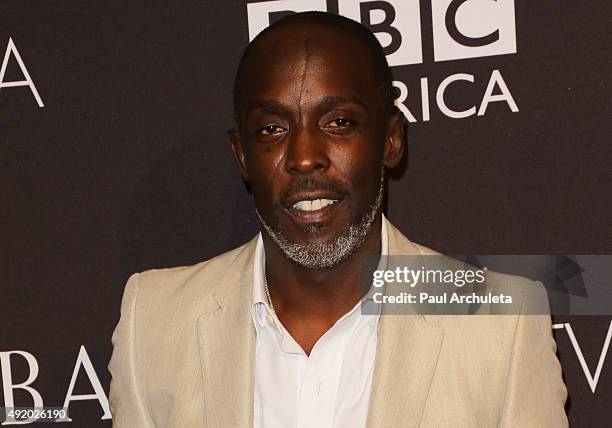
pixel 315 232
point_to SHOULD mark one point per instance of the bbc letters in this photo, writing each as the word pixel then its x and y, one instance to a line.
pixel 461 29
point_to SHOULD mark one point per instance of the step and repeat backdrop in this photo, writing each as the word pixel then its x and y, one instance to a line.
pixel 114 158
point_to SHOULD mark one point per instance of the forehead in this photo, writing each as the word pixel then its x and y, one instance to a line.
pixel 309 59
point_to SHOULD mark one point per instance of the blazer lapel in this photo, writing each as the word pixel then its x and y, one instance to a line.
pixel 406 358
pixel 226 339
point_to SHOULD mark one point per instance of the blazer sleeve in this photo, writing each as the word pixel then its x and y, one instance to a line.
pixel 125 398
pixel 535 393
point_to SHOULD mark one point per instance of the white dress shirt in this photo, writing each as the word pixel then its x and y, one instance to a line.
pixel 329 388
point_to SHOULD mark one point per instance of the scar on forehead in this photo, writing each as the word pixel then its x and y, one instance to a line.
pixel 307 53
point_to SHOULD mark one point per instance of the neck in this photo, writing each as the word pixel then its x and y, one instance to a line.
pixel 327 294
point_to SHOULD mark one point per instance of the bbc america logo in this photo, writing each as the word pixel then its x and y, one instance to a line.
pixel 461 28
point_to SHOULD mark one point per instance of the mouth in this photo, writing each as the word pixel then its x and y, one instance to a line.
pixel 313 207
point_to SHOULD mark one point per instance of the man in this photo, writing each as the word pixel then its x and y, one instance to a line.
pixel 271 333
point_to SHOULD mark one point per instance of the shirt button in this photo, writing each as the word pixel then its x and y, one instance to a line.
pixel 269 319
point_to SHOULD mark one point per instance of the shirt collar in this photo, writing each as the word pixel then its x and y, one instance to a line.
pixel 260 307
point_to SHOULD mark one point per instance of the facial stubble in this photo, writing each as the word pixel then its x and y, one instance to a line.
pixel 325 254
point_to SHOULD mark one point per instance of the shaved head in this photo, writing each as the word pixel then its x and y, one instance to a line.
pixel 297 34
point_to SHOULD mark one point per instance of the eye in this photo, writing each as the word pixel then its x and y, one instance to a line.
pixel 271 130
pixel 340 122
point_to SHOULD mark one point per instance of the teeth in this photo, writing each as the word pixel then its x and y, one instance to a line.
pixel 303 205
pixel 315 205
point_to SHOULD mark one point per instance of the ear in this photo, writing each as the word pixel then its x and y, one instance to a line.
pixel 234 135
pixel 394 140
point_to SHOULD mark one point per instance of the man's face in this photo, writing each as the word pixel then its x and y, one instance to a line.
pixel 313 136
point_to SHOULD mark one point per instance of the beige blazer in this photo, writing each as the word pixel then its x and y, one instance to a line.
pixel 184 352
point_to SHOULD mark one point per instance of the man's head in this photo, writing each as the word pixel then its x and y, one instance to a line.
pixel 316 127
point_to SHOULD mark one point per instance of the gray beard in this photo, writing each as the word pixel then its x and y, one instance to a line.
pixel 326 254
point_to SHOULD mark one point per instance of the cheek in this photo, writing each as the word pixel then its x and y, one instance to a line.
pixel 359 164
pixel 263 166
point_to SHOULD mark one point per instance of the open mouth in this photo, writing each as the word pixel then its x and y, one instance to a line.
pixel 313 205
pixel 306 211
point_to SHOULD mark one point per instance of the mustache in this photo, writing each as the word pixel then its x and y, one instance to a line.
pixel 309 184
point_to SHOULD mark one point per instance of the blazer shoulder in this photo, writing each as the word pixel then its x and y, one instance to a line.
pixel 167 285
pixel 529 297
pixel 211 266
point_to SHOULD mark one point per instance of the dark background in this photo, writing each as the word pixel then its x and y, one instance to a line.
pixel 127 167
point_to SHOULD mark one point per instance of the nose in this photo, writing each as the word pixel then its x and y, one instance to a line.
pixel 306 152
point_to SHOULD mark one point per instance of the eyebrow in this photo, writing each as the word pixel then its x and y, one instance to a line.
pixel 328 101
pixel 334 101
pixel 266 105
